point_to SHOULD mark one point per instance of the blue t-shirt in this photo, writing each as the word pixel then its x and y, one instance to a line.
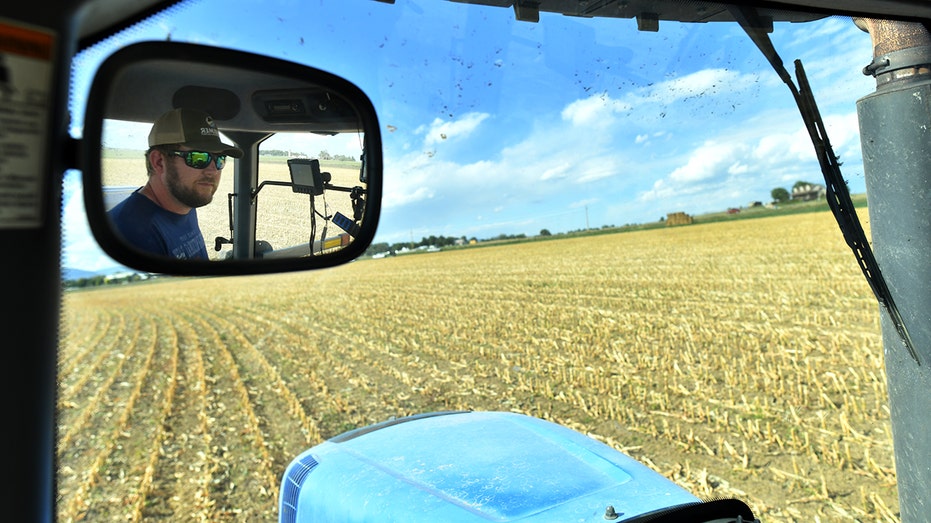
pixel 150 228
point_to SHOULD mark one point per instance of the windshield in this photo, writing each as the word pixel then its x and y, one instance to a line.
pixel 693 305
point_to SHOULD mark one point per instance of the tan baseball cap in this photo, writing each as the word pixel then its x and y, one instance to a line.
pixel 193 128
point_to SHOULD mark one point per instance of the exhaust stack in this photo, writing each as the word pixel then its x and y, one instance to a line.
pixel 895 135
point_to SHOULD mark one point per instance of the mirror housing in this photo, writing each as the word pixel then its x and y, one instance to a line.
pixel 251 98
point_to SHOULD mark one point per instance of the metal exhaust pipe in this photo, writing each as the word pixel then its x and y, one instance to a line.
pixel 895 135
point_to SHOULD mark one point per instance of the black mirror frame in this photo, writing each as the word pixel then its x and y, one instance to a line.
pixel 91 160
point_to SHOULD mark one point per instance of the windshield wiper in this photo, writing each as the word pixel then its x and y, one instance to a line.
pixel 838 195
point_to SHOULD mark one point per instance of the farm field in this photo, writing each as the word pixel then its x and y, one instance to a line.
pixel 737 358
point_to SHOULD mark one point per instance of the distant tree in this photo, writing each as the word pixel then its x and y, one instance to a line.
pixel 545 232
pixel 801 183
pixel 780 195
pixel 274 152
pixel 377 248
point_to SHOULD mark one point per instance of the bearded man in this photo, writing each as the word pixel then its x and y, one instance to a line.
pixel 184 162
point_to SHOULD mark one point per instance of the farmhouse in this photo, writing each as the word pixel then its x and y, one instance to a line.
pixel 808 192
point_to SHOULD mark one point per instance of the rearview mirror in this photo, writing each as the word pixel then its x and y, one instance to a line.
pixel 199 160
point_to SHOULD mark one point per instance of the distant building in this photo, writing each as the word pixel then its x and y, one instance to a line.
pixel 808 192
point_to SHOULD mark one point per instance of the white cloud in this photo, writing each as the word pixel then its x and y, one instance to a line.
pixel 439 130
pixel 790 141
pixel 397 198
pixel 594 111
pixel 708 161
pixel 560 171
pixel 649 103
pixel 707 82
pixel 803 35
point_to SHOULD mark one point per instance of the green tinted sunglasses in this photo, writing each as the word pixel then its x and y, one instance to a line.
pixel 200 159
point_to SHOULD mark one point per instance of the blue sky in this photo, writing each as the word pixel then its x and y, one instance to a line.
pixel 495 126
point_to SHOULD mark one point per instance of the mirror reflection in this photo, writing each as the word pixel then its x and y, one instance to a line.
pixel 230 164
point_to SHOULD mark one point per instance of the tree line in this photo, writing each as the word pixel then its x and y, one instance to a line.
pixel 322 155
pixel 433 241
pixel 427 241
pixel 99 280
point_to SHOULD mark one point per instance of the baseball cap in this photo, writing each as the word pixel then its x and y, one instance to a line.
pixel 193 128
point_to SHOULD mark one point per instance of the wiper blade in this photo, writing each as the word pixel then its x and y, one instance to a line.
pixel 839 200
pixel 838 195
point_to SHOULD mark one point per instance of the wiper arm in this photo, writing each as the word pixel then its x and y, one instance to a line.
pixel 838 195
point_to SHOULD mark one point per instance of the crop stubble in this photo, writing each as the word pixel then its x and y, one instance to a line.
pixel 738 359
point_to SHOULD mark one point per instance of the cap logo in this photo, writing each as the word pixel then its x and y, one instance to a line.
pixel 211 129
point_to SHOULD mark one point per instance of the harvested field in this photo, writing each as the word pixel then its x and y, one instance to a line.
pixel 739 359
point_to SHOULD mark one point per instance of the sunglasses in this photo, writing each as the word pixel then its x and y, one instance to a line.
pixel 200 159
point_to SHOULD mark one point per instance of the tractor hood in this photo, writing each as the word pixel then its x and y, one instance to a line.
pixel 470 466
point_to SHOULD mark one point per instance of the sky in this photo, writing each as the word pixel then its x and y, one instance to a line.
pixel 496 126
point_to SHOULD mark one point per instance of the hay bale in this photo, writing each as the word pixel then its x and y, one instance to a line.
pixel 678 218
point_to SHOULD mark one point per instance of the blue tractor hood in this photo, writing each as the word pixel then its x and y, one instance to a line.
pixel 470 466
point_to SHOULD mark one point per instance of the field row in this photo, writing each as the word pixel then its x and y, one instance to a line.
pixel 737 359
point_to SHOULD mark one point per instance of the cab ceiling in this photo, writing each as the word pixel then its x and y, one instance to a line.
pixel 96 19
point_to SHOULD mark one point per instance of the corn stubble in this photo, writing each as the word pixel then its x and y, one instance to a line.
pixel 738 359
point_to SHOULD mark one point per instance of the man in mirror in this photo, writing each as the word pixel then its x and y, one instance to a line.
pixel 184 162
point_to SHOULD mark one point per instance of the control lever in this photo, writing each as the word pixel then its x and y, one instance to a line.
pixel 221 241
